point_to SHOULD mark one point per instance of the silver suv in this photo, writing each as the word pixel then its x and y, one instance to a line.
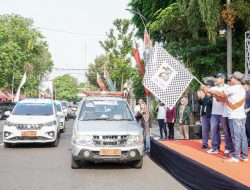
pixel 105 130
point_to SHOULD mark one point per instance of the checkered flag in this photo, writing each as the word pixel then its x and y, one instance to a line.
pixel 165 76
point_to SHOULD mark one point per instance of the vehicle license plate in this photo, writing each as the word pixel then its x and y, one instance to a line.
pixel 28 133
pixel 108 152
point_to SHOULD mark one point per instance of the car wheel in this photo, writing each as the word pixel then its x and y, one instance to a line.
pixel 56 142
pixel 66 119
pixel 7 145
pixel 138 164
pixel 63 129
pixel 1 116
pixel 75 164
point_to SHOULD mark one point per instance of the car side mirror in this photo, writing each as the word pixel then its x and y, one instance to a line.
pixel 71 115
pixel 7 113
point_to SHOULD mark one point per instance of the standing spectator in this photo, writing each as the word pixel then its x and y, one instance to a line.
pixel 171 114
pixel 206 109
pixel 137 112
pixel 246 86
pixel 183 112
pixel 161 110
pixel 234 97
pixel 218 118
pixel 145 123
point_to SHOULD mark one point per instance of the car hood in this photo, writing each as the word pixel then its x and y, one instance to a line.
pixel 30 119
pixel 108 127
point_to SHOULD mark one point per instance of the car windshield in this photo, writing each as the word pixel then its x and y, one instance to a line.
pixel 33 109
pixel 105 110
pixel 58 107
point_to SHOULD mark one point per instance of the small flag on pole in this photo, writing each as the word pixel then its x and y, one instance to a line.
pixel 109 82
pixel 19 88
pixel 165 76
pixel 100 82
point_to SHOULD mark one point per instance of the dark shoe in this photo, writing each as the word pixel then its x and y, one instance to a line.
pixel 226 155
pixel 204 147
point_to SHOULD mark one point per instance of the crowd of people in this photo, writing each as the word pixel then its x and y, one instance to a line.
pixel 225 107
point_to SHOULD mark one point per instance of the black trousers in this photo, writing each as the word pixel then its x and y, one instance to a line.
pixel 162 126
pixel 171 130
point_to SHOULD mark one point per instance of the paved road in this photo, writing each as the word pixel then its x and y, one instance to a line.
pixel 40 167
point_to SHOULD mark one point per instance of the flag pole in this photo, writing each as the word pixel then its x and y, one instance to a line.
pixel 198 81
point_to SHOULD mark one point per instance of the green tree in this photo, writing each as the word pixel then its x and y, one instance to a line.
pixel 65 88
pixel 189 30
pixel 98 66
pixel 118 48
pixel 22 47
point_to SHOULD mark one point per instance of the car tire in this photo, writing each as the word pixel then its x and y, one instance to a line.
pixel 56 142
pixel 66 119
pixel 1 116
pixel 62 130
pixel 7 145
pixel 75 164
pixel 137 164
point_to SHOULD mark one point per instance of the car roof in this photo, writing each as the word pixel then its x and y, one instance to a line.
pixel 58 102
pixel 104 98
pixel 36 100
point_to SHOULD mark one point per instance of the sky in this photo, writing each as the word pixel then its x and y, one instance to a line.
pixel 72 28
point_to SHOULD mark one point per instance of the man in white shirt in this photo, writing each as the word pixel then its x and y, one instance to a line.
pixel 161 118
pixel 219 118
pixel 235 100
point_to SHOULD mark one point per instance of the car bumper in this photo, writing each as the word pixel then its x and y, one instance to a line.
pixel 44 135
pixel 93 154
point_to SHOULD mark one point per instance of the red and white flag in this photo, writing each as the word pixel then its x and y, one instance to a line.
pixel 139 63
pixel 100 82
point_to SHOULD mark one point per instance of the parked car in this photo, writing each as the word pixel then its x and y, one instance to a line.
pixel 32 121
pixel 6 106
pixel 65 109
pixel 105 130
pixel 61 115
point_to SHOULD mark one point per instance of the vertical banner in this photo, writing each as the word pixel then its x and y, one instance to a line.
pixel 17 97
pixel 46 89
pixel 139 63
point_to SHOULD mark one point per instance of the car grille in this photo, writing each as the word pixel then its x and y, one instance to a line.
pixel 110 140
pixel 28 126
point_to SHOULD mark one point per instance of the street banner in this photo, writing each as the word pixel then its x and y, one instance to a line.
pixel 16 99
pixel 139 63
pixel 46 89
pixel 100 82
pixel 165 76
pixel 109 82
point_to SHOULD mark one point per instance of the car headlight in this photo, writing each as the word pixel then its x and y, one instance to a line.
pixel 82 140
pixel 50 123
pixel 134 140
pixel 9 124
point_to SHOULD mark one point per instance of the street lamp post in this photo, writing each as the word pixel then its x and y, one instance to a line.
pixel 13 77
pixel 147 129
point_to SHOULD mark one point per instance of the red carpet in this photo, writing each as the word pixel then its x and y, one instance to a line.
pixel 191 148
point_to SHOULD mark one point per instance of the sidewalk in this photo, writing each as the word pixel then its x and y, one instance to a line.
pixel 155 131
